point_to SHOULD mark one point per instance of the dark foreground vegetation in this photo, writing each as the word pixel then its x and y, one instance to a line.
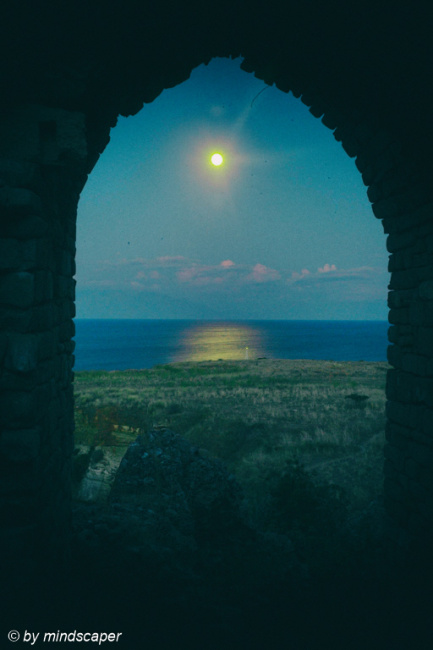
pixel 258 523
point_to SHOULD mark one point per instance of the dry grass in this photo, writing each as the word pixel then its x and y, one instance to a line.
pixel 321 421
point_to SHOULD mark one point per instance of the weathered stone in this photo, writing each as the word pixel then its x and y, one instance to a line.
pixel 22 355
pixel 44 290
pixel 425 340
pixel 426 290
pixel 27 227
pixel 18 202
pixel 394 356
pixel 414 364
pixel 387 208
pixel 421 454
pixel 393 454
pixel 427 425
pixel 408 279
pixel 22 409
pixel 397 241
pixel 396 316
pixel 163 472
pixel 17 289
pixel 412 469
pixel 20 446
pixel 401 413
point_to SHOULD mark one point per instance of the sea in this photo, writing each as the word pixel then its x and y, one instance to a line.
pixel 137 344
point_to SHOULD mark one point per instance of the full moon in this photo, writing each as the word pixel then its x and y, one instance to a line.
pixel 217 159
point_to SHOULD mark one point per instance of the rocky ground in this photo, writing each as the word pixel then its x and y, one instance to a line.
pixel 163 550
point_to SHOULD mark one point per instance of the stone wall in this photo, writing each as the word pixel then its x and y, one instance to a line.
pixel 41 174
pixel 70 71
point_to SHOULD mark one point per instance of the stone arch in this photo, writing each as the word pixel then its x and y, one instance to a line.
pixel 64 97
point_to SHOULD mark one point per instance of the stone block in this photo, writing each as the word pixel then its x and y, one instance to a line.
pixel 398 178
pixel 401 414
pixel 396 262
pixel 418 492
pixel 387 208
pixel 3 345
pixel 375 192
pixel 415 364
pixel 407 279
pixel 366 170
pixel 416 524
pixel 394 356
pixel 398 436
pixel 394 489
pixel 66 330
pixel 17 202
pixel 23 409
pixel 383 163
pixel 42 317
pixel 379 144
pixel 332 118
pixel 18 478
pixel 65 287
pixel 421 259
pixel 43 286
pixel 66 266
pixel 396 316
pixel 428 312
pixel 47 345
pixel 22 354
pixel 425 477
pixel 426 511
pixel 350 146
pixel 422 454
pixel 20 446
pixel 27 227
pixel 18 320
pixel 427 422
pixel 425 340
pixel 417 313
pixel 426 290
pixel 393 333
pixel 400 298
pixel 412 469
pixel 17 289
pixel 395 456
pixel 22 255
pixel 16 173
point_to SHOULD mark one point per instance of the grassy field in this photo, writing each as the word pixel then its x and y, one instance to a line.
pixel 304 438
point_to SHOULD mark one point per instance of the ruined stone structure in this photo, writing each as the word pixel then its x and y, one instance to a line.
pixel 67 70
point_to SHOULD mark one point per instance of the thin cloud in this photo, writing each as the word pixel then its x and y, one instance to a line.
pixel 298 276
pixel 171 259
pixel 330 273
pixel 262 273
pixel 327 268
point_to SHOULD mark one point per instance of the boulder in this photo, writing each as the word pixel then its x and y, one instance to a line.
pixel 163 475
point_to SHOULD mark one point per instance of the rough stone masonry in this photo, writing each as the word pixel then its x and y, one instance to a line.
pixel 67 71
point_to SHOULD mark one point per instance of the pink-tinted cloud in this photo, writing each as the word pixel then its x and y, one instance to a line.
pixel 185 275
pixel 227 264
pixel 171 260
pixel 327 268
pixel 262 273
pixel 298 276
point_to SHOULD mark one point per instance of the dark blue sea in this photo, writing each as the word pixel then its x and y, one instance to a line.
pixel 135 344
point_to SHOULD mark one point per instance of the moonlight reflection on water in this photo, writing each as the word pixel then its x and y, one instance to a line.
pixel 212 341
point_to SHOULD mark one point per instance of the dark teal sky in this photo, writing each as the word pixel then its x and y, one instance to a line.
pixel 283 229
